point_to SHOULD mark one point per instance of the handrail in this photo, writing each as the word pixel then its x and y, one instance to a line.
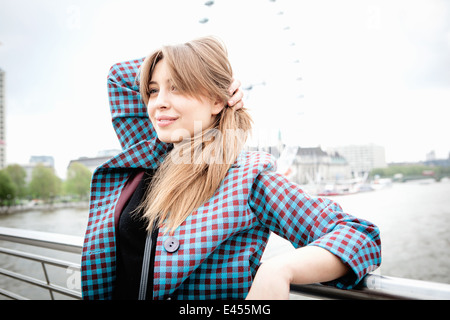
pixel 56 241
pixel 377 287
pixel 371 287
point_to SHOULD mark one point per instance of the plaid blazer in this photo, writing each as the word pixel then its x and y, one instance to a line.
pixel 221 243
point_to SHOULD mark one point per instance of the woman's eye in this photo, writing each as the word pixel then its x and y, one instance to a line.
pixel 173 88
pixel 152 91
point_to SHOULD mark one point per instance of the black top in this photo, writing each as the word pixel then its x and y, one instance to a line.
pixel 130 245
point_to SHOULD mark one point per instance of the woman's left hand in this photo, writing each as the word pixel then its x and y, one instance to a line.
pixel 237 95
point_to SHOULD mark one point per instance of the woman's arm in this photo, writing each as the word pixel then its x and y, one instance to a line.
pixel 309 264
pixel 129 114
pixel 332 246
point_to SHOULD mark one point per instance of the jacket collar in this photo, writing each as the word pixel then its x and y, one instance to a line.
pixel 147 154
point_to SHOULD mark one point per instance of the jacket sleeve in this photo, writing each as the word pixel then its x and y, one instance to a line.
pixel 287 211
pixel 129 114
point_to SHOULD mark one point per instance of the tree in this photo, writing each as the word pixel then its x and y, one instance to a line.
pixel 44 183
pixel 18 176
pixel 7 188
pixel 78 180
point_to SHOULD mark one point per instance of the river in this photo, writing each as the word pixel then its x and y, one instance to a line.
pixel 414 220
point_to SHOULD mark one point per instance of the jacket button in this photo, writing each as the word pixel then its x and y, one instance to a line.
pixel 171 244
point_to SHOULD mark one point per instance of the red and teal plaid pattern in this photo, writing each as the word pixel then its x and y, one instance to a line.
pixel 222 242
pixel 129 114
pixel 98 256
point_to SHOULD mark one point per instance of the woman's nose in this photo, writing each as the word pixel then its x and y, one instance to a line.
pixel 162 101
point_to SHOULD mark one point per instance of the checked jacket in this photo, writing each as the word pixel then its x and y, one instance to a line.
pixel 220 243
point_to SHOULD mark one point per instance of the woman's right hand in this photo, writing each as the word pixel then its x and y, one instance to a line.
pixel 237 95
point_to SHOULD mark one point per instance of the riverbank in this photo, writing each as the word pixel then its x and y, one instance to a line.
pixel 33 206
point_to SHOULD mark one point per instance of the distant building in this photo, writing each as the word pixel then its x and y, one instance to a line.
pixel 93 162
pixel 90 162
pixel 432 160
pixel 430 156
pixel 2 120
pixel 314 165
pixel 46 161
pixel 362 158
pixel 273 150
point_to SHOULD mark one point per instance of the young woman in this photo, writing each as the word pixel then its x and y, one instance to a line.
pixel 184 213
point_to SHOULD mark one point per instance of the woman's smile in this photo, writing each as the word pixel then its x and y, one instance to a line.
pixel 165 120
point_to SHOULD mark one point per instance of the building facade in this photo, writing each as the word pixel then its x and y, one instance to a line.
pixel 93 162
pixel 362 158
pixel 46 161
pixel 314 165
pixel 309 165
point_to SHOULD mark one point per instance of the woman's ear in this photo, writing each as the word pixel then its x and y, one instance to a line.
pixel 217 107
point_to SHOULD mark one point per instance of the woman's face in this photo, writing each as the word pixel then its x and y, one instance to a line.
pixel 176 116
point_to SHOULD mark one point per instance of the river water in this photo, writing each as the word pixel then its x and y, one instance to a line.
pixel 414 219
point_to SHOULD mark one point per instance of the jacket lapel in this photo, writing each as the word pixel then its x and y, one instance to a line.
pixel 144 155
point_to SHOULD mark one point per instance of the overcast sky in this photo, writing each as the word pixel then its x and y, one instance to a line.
pixel 335 72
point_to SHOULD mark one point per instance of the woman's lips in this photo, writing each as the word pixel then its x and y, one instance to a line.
pixel 164 121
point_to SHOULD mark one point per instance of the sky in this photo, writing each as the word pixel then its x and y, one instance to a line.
pixel 322 72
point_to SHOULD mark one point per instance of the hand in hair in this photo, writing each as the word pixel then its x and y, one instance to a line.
pixel 237 95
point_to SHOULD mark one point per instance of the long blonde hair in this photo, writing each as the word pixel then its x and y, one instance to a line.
pixel 193 171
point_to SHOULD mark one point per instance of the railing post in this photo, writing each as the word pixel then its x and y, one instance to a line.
pixel 48 280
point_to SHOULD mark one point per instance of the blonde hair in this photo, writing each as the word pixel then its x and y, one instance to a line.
pixel 193 171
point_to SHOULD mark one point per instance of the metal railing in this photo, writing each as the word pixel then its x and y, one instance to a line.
pixel 371 287
pixel 58 242
pixel 377 287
